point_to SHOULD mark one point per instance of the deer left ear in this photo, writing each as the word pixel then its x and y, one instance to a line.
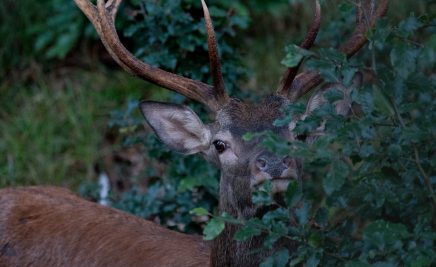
pixel 177 126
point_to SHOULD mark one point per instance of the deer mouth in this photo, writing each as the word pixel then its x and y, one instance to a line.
pixel 279 184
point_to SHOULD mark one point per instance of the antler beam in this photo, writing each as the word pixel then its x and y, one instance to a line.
pixel 103 17
pixel 289 76
pixel 366 16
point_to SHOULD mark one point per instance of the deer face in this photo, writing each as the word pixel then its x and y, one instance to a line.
pixel 244 165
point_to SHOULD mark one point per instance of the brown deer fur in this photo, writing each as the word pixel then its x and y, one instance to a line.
pixel 49 227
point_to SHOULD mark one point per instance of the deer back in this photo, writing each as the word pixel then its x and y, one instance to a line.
pixel 49 226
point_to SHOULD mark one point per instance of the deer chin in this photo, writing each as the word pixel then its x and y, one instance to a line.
pixel 280 185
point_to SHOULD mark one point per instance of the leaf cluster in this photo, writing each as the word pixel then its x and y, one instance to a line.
pixel 367 197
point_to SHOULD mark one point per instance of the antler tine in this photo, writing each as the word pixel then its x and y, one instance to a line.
pixel 306 81
pixel 112 6
pixel 91 13
pixel 215 64
pixel 289 75
pixel 103 16
pixel 364 24
pixel 303 83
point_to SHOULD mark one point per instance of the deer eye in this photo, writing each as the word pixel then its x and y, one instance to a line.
pixel 220 146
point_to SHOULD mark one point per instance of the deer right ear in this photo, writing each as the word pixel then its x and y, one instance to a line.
pixel 177 126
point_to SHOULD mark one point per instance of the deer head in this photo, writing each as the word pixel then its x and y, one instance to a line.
pixel 244 165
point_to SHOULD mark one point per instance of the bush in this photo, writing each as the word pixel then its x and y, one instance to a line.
pixel 368 195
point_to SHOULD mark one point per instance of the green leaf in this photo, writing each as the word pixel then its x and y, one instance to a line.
pixel 322 217
pixel 356 264
pixel 228 218
pixel 199 212
pixel 213 229
pixel 248 137
pixel 335 177
pixel 420 261
pixel 188 184
pixel 408 26
pixel 382 103
pixel 382 233
pixel 294 55
pixel 348 74
pixel 278 259
pixel 247 231
pixel 314 260
pixel 315 240
pixel 282 121
pixel 293 194
pixel 403 60
pixel 303 212
pixel 268 262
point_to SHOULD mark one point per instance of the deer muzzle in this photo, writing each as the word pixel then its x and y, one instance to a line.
pixel 279 170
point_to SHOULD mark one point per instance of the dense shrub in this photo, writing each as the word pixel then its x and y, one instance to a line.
pixel 368 194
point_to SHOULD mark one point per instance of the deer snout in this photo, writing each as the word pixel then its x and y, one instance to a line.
pixel 280 170
pixel 272 165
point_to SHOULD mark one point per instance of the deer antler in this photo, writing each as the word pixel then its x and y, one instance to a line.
pixel 289 76
pixel 366 16
pixel 103 17
pixel 215 64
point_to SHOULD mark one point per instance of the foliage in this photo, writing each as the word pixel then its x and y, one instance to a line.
pixel 173 41
pixel 50 131
pixel 37 31
pixel 367 198
pixel 66 26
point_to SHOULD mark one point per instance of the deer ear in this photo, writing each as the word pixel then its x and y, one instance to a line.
pixel 177 126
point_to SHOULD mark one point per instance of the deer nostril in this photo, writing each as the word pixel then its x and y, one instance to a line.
pixel 261 164
pixel 287 161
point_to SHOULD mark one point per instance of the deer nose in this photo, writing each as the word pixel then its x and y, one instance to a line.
pixel 272 164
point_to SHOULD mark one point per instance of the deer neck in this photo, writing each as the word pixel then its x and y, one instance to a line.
pixel 237 202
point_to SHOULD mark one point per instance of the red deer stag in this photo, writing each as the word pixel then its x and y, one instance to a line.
pixel 45 226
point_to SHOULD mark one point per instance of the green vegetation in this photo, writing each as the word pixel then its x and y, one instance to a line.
pixel 52 130
pixel 367 198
